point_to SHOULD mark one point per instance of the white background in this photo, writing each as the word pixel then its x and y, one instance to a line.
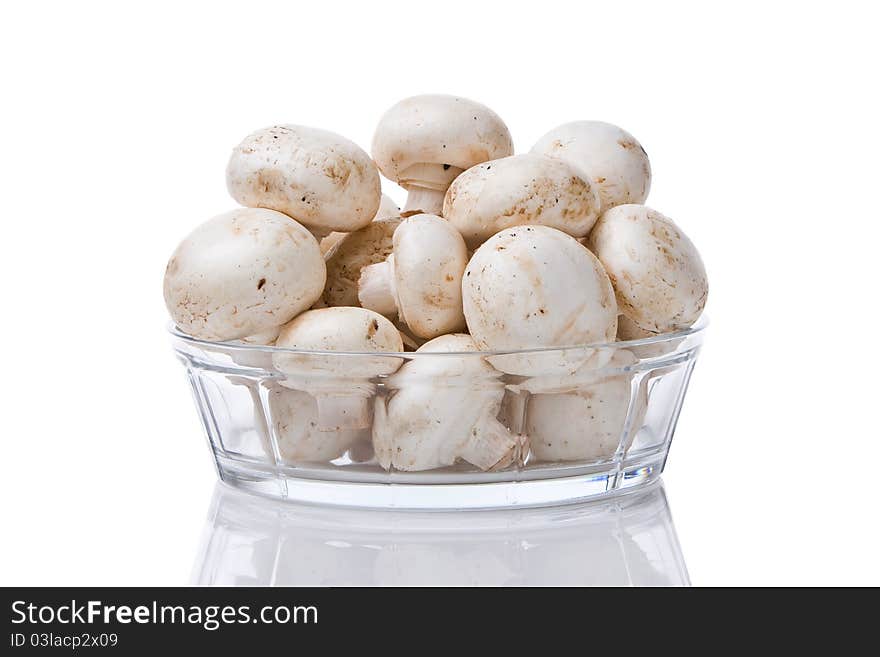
pixel 761 121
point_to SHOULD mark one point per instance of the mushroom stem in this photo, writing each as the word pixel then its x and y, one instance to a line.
pixel 376 288
pixel 337 412
pixel 427 185
pixel 491 446
pixel 421 200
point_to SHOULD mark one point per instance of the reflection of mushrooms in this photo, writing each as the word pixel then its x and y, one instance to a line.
pixel 421 281
pixel 424 142
pixel 294 417
pixel 368 246
pixel 444 409
pixel 531 287
pixel 387 211
pixel 319 178
pixel 658 276
pixel 341 384
pixel 241 273
pixel 518 190
pixel 588 422
pixel 612 158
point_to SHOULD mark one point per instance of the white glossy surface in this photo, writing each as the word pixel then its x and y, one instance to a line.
pixel 629 541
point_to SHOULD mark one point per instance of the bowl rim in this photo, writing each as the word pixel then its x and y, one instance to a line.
pixel 697 328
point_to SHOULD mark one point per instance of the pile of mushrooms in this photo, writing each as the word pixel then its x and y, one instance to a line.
pixel 492 252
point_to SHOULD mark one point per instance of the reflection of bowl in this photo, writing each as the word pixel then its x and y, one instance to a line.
pixel 619 410
pixel 627 540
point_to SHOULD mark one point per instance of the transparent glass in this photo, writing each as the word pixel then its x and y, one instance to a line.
pixel 628 540
pixel 441 430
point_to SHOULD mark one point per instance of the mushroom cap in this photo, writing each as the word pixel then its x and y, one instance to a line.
pixel 319 178
pixel 615 162
pixel 336 329
pixel 532 287
pixel 367 246
pixel 295 419
pixel 264 338
pixel 658 275
pixel 629 330
pixel 471 369
pixel 586 424
pixel 257 358
pixel 519 190
pixel 429 260
pixel 388 209
pixel 242 273
pixel 439 130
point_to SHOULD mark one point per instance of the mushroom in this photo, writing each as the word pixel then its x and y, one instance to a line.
pixel 614 161
pixel 657 273
pixel 589 420
pixel 242 273
pixel 629 330
pixel 264 338
pixel 370 245
pixel 533 287
pixel 424 142
pixel 319 178
pixel 342 385
pixel 519 190
pixel 421 280
pixel 294 416
pixel 255 358
pixel 443 408
pixel 388 210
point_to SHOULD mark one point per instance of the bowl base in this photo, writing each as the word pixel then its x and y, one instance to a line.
pixel 523 493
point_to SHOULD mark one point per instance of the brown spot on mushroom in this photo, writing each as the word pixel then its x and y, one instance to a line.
pixel 261 283
pixel 269 181
pixel 338 171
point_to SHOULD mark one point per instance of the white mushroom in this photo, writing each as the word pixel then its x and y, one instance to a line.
pixel 615 162
pixel 588 422
pixel 424 142
pixel 532 287
pixel 263 338
pixel 388 210
pixel 243 272
pixel 657 273
pixel 319 178
pixel 294 416
pixel 519 190
pixel 628 330
pixel 256 358
pixel 345 261
pixel 343 385
pixel 421 280
pixel 443 408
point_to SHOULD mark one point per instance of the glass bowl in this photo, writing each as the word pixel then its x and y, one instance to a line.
pixel 441 430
